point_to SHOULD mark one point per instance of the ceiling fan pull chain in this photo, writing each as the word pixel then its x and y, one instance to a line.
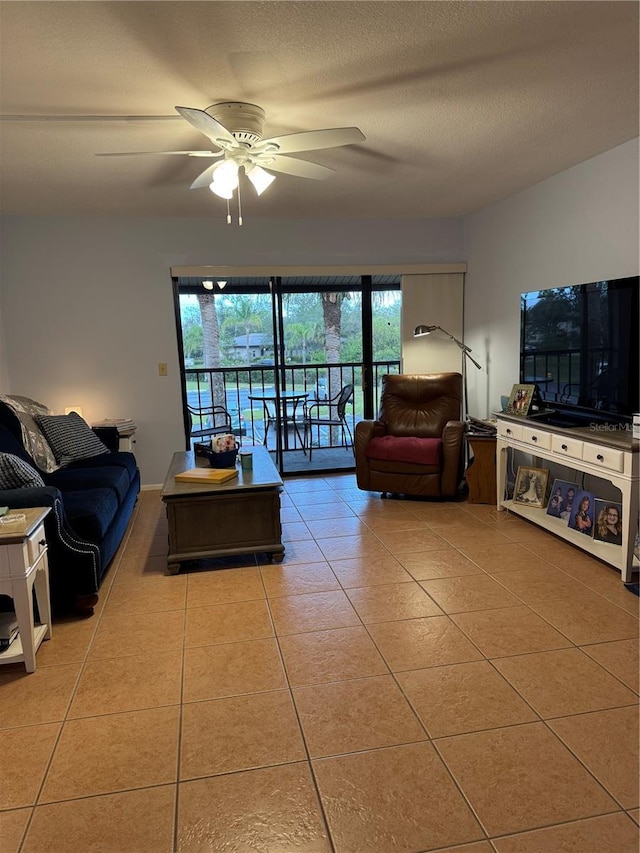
pixel 228 213
pixel 239 207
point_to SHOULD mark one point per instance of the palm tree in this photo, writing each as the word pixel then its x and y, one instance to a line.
pixel 332 314
pixel 211 346
pixel 302 334
pixel 244 316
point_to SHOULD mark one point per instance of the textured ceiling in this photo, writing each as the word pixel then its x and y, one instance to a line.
pixel 461 103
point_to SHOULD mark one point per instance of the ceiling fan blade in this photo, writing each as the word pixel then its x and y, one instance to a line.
pixel 209 126
pixel 311 140
pixel 292 166
pixel 136 153
pixel 204 178
pixel 8 117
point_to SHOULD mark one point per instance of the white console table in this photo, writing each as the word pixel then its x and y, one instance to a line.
pixel 608 454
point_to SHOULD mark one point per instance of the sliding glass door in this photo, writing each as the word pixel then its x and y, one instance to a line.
pixel 277 352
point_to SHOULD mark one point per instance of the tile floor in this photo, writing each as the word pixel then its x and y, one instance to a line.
pixel 413 677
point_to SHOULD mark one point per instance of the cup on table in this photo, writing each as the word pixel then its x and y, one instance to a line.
pixel 246 460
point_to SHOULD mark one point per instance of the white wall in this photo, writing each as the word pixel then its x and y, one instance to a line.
pixel 581 225
pixel 432 300
pixel 88 312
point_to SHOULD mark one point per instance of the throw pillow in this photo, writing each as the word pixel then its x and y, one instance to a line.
pixel 15 473
pixel 70 437
pixel 25 409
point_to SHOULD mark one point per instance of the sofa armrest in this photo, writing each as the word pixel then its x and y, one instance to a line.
pixel 74 565
pixel 452 457
pixel 26 498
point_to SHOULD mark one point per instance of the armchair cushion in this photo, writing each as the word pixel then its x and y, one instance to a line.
pixel 70 437
pixel 416 451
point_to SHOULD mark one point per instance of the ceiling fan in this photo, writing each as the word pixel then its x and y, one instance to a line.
pixel 235 129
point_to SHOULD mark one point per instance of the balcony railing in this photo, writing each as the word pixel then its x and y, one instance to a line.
pixel 233 386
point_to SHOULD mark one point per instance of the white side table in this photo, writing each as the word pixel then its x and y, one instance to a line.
pixel 116 437
pixel 23 568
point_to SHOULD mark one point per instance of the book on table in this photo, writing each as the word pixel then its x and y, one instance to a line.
pixel 206 475
pixel 8 629
pixel 123 425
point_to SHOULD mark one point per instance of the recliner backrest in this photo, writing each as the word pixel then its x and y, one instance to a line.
pixel 420 404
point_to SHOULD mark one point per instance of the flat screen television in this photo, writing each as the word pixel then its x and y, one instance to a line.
pixel 579 345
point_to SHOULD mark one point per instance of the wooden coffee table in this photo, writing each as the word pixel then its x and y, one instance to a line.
pixel 241 516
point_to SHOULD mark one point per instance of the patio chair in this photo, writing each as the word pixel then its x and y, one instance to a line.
pixel 335 416
pixel 206 421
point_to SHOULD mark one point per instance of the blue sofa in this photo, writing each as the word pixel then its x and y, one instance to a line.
pixel 91 502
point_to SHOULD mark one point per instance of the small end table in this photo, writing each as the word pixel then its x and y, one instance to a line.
pixel 24 568
pixel 481 470
pixel 116 439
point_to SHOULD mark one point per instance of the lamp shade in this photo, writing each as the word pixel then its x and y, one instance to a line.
pixel 419 331
pixel 220 191
pixel 225 179
pixel 259 178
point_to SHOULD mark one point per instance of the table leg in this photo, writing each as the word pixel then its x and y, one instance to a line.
pixel 295 425
pixel 41 586
pixel 23 607
pixel 267 423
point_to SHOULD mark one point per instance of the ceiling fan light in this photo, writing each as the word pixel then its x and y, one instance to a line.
pixel 220 191
pixel 225 177
pixel 259 178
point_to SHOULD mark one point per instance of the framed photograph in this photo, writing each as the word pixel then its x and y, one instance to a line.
pixel 520 400
pixel 531 486
pixel 561 499
pixel 608 522
pixel 582 513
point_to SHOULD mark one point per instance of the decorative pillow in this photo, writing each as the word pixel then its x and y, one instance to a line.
pixel 25 409
pixel 15 473
pixel 70 437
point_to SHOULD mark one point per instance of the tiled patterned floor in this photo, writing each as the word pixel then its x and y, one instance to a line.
pixel 413 677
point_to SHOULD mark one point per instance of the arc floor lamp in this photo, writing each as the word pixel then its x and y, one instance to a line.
pixel 421 331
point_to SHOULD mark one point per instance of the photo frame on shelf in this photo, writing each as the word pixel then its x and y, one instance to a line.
pixel 608 521
pixel 520 400
pixel 561 499
pixel 531 486
pixel 582 513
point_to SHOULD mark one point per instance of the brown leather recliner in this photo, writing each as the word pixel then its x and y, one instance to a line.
pixel 415 447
